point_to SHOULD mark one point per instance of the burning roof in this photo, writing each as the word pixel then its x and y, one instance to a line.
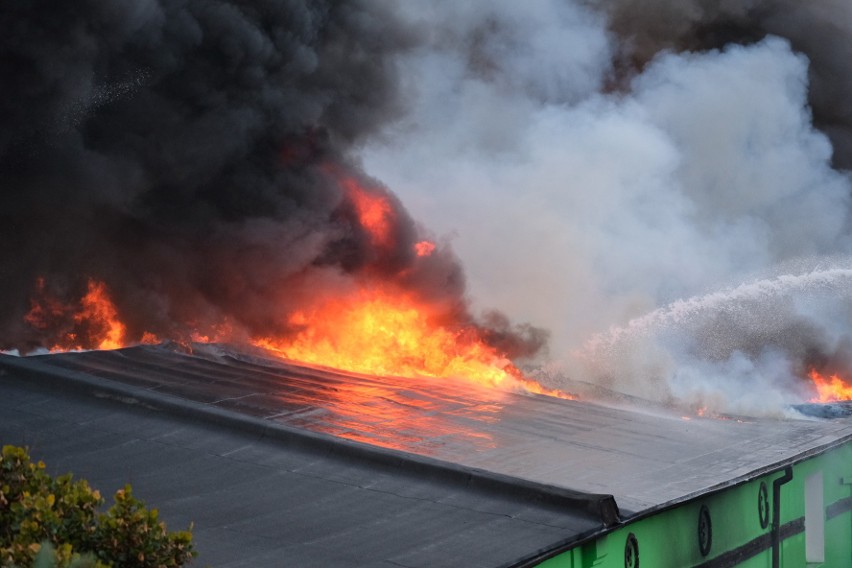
pixel 646 457
pixel 192 172
pixel 258 490
pixel 664 193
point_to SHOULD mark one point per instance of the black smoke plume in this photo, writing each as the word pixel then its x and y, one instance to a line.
pixel 188 153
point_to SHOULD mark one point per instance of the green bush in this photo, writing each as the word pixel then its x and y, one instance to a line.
pixel 61 516
pixel 47 558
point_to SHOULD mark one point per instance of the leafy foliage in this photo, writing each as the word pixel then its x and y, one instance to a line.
pixel 47 558
pixel 44 518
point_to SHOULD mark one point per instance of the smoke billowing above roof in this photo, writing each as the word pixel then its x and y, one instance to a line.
pixel 629 155
pixel 590 161
pixel 192 155
pixel 820 30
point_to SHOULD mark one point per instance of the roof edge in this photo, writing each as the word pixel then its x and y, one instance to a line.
pixel 600 507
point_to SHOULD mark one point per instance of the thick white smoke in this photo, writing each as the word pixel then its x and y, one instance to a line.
pixel 577 205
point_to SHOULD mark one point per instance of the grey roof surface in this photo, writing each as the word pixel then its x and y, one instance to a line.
pixel 261 494
pixel 440 472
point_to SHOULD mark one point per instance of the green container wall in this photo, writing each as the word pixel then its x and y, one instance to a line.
pixel 669 539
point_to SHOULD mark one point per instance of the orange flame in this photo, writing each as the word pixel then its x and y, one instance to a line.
pixel 97 307
pixel 830 389
pixel 381 333
pixel 373 331
pixel 92 323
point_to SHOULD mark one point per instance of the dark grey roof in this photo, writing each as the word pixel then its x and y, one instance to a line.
pixel 344 469
pixel 262 493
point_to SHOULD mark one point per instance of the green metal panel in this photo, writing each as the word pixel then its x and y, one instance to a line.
pixel 740 526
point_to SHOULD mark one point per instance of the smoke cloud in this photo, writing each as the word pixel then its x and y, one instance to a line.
pixel 820 30
pixel 626 156
pixel 662 185
pixel 193 155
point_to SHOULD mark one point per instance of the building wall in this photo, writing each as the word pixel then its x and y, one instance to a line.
pixel 740 527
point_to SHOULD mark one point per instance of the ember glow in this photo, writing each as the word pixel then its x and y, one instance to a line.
pixel 830 388
pixel 424 248
pixel 92 323
pixel 381 414
pixel 374 211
